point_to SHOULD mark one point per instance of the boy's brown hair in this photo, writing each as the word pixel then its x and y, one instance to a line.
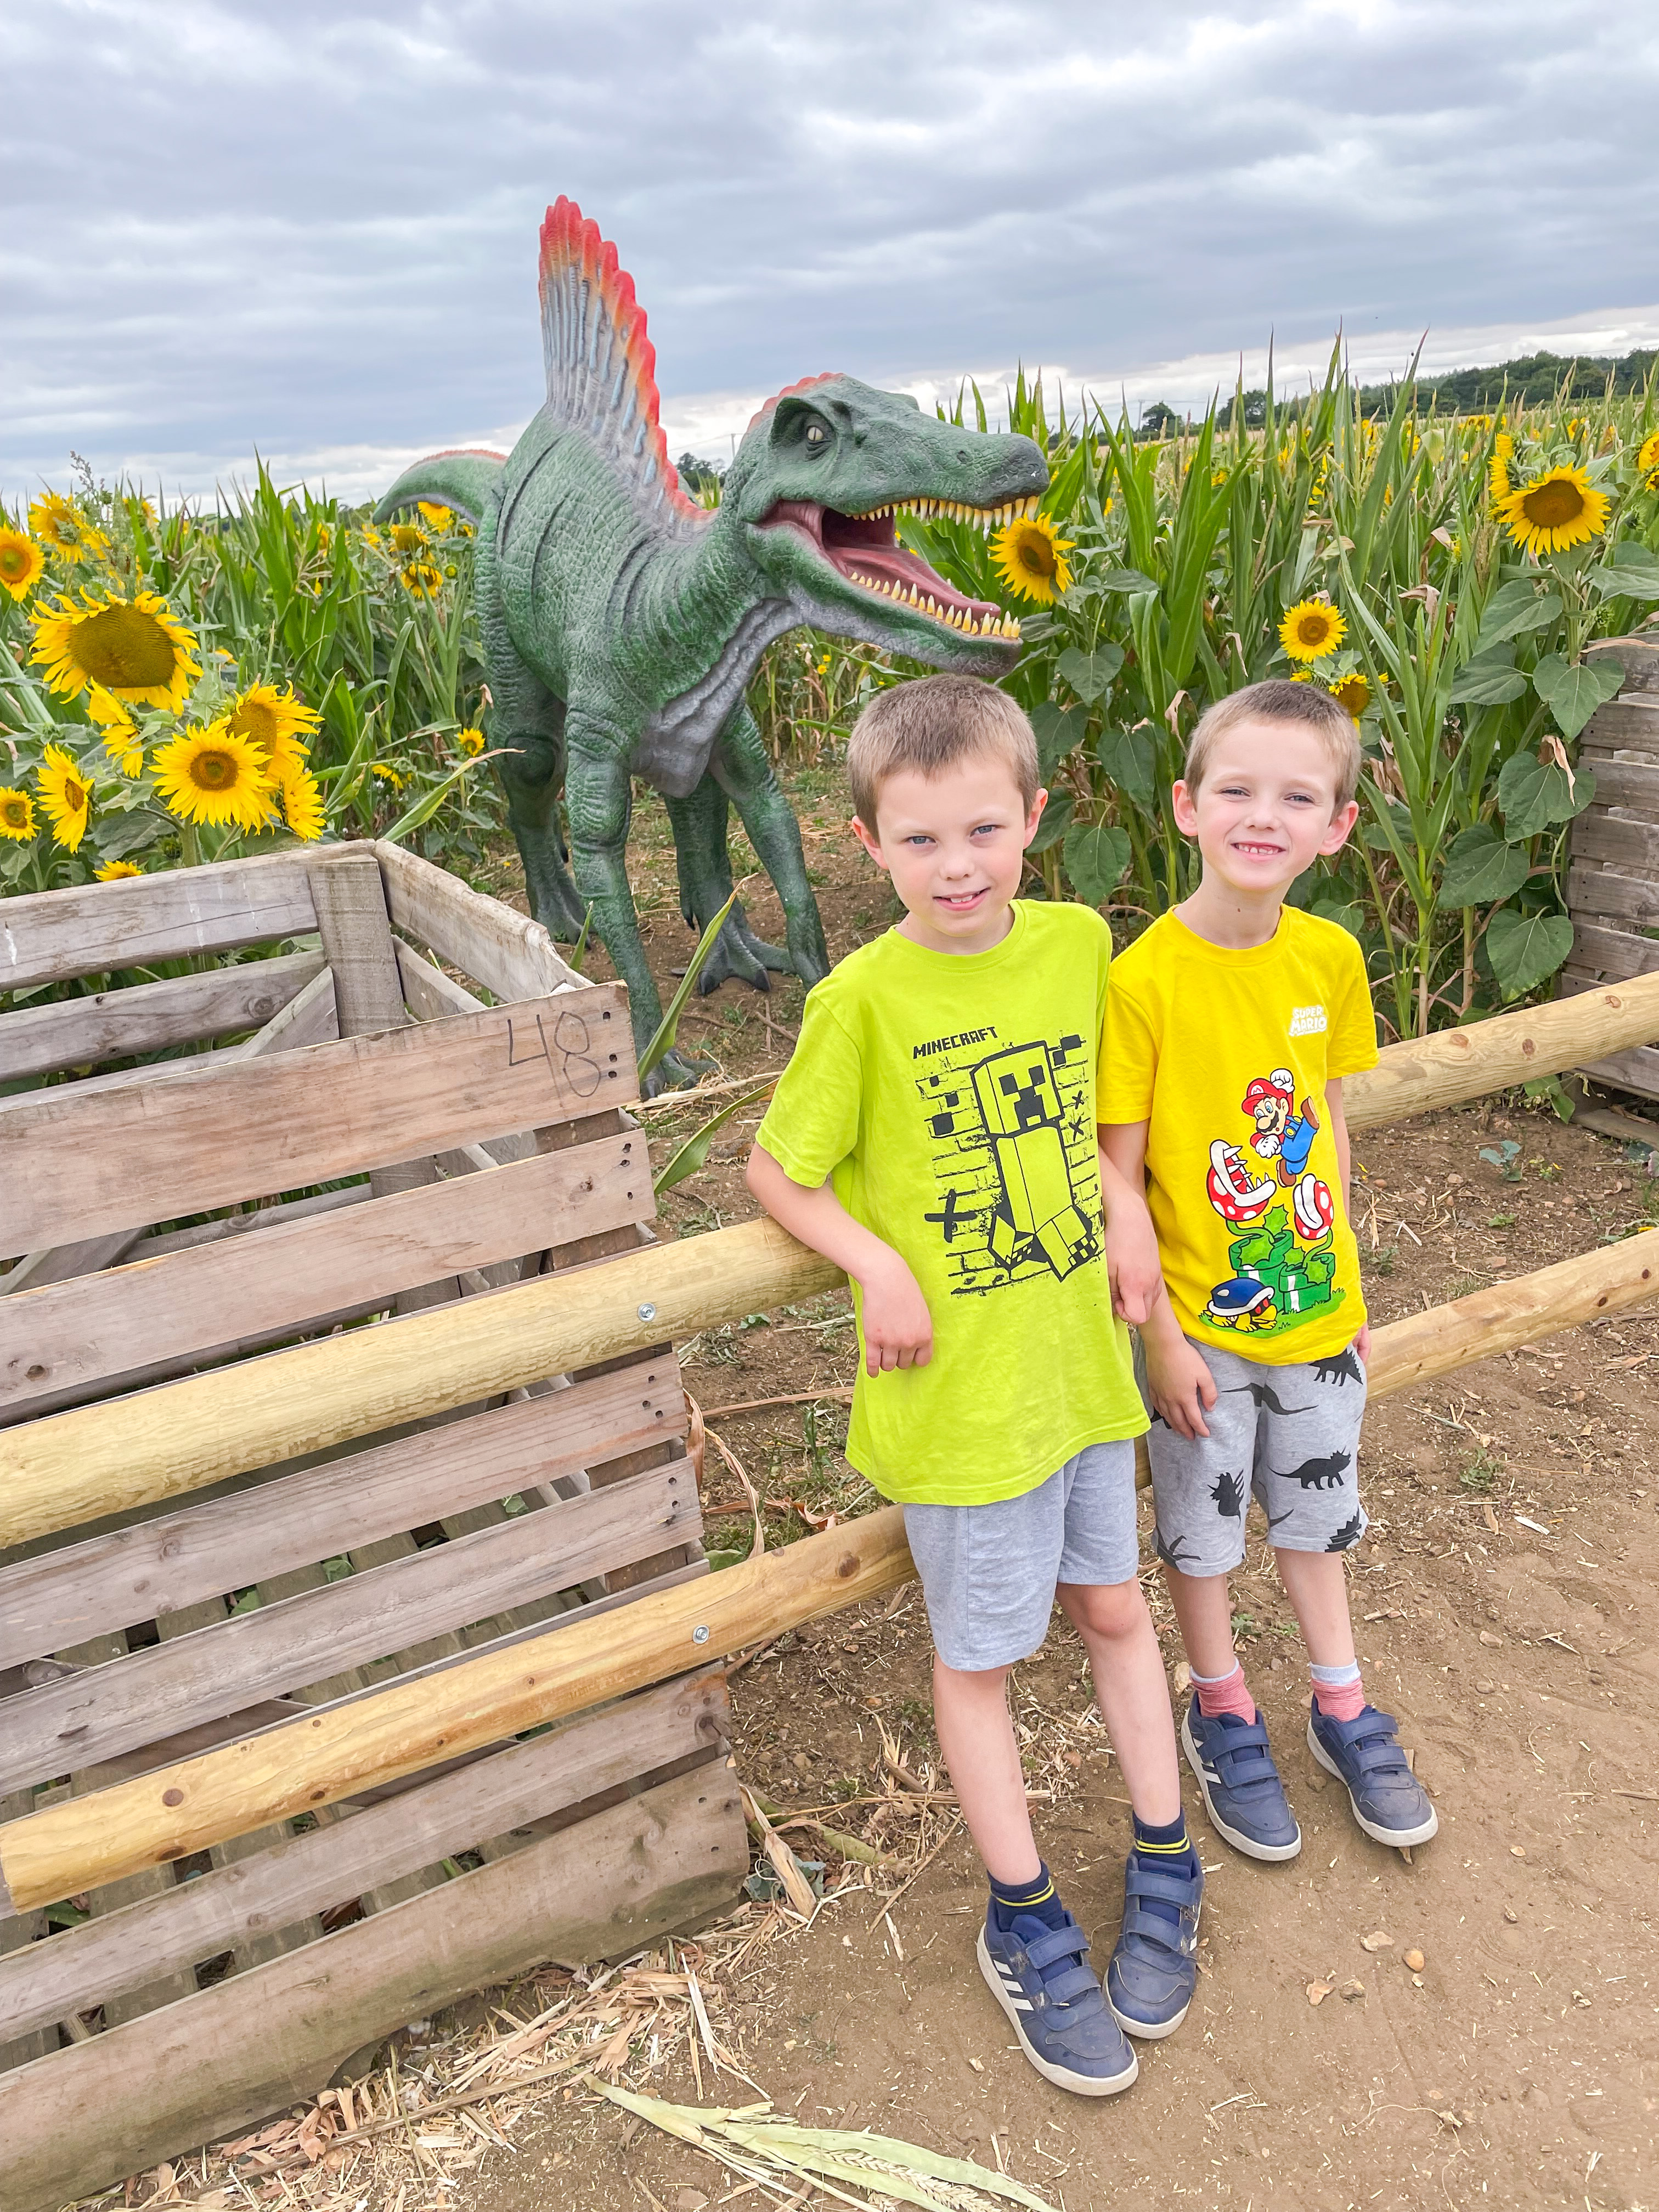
pixel 929 725
pixel 1280 701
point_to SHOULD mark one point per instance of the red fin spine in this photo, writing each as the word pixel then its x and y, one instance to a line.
pixel 823 376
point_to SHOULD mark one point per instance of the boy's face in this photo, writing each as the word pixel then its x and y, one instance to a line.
pixel 1266 808
pixel 955 847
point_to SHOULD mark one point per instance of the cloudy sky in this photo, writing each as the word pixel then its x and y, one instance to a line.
pixel 310 228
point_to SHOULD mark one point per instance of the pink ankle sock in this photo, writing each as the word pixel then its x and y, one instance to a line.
pixel 1338 1701
pixel 1226 1695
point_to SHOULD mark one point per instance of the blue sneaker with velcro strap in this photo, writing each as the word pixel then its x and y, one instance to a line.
pixel 1040 1977
pixel 1242 1793
pixel 1154 1965
pixel 1386 1798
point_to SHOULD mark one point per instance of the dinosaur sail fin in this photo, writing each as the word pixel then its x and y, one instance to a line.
pixel 601 366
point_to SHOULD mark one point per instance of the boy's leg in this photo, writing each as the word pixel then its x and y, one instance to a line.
pixel 1201 1489
pixel 977 1739
pixel 1308 1479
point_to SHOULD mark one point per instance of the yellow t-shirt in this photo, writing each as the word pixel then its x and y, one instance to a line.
pixel 1225 1056
pixel 950 1098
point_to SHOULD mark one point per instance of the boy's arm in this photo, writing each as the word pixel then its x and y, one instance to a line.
pixel 1131 1261
pixel 1182 1386
pixel 1333 1106
pixel 898 1329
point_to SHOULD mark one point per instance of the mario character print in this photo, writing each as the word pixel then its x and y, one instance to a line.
pixel 1014 1159
pixel 1282 1259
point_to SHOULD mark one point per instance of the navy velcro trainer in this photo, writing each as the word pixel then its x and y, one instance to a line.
pixel 1388 1801
pixel 1242 1793
pixel 1040 1977
pixel 1154 1969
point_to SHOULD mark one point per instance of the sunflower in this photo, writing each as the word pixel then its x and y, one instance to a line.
pixel 406 539
pixel 20 561
pixel 214 776
pixel 1498 477
pixel 421 579
pixel 1353 692
pixel 436 518
pixel 121 740
pixel 391 776
pixel 134 649
pixel 65 796
pixel 280 725
pixel 1559 509
pixel 1648 461
pixel 112 870
pixel 16 816
pixel 1312 628
pixel 472 741
pixel 302 806
pixel 1030 558
pixel 63 526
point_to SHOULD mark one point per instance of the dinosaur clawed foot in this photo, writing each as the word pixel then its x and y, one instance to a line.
pixel 738 955
pixel 676 1071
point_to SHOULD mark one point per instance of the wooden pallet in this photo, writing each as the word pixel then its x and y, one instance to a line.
pixel 1612 883
pixel 384 1141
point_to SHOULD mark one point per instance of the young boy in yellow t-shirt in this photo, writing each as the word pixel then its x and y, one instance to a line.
pixel 1230 1024
pixel 935 1134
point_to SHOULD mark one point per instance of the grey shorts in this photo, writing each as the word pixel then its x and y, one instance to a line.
pixel 988 1572
pixel 1288 1435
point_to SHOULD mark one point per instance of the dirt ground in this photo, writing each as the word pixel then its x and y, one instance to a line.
pixel 1504 1602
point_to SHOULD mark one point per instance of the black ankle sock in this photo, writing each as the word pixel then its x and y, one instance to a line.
pixel 1037 1897
pixel 1169 1847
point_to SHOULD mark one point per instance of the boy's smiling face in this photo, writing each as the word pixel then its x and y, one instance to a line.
pixel 955 847
pixel 1266 808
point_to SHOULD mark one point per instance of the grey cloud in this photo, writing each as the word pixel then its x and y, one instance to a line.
pixel 312 229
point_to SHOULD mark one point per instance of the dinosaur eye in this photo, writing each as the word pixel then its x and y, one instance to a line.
pixel 818 437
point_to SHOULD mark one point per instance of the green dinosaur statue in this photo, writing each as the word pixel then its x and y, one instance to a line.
pixel 621 622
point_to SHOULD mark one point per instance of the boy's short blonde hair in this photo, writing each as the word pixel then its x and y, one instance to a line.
pixel 1279 700
pixel 929 725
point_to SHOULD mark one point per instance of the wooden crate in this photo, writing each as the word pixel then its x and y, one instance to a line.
pixel 404 1144
pixel 1612 884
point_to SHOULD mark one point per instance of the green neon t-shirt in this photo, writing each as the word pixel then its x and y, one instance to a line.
pixel 950 1098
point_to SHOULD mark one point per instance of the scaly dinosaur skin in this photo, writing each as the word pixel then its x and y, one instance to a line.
pixel 621 623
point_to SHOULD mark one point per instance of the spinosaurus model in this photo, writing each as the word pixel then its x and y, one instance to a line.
pixel 621 622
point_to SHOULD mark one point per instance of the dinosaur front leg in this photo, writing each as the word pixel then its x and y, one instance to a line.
pixel 527 726
pixel 741 765
pixel 599 795
pixel 705 874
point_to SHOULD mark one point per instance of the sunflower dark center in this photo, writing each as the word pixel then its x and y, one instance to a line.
pixel 214 771
pixel 1553 505
pixel 17 813
pixel 125 649
pixel 254 720
pixel 13 558
pixel 1035 556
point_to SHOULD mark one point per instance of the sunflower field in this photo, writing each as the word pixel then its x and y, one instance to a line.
pixel 186 686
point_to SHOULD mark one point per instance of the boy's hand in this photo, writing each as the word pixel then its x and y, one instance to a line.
pixel 1182 1387
pixel 898 1329
pixel 1362 1345
pixel 1131 1261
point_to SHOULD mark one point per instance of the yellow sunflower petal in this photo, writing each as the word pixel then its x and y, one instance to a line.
pixel 1312 628
pixel 112 870
pixel 280 725
pixel 1352 692
pixel 1030 556
pixel 16 815
pixel 134 649
pixel 302 806
pixel 65 797
pixel 472 741
pixel 1555 511
pixel 214 776
pixel 22 560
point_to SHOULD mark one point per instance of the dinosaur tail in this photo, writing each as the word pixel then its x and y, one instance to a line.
pixel 463 479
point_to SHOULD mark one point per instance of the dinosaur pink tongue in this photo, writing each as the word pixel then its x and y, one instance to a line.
pixel 863 549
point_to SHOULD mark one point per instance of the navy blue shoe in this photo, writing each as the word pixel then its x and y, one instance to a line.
pixel 1039 1976
pixel 1388 1801
pixel 1242 1793
pixel 1154 1967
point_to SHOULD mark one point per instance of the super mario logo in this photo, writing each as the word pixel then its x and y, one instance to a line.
pixel 1014 1158
pixel 1282 1260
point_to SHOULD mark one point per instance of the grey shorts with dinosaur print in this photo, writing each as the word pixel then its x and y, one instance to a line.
pixel 1289 1435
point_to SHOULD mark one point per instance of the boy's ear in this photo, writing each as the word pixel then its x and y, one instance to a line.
pixel 1034 815
pixel 1183 806
pixel 1342 823
pixel 867 837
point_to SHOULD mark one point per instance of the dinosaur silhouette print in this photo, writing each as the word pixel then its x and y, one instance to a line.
pixel 1173 1555
pixel 1275 1519
pixel 1263 1393
pixel 1318 1473
pixel 1341 1370
pixel 1228 1496
pixel 1349 1534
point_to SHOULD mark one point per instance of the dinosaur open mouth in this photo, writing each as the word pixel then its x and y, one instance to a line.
pixel 865 549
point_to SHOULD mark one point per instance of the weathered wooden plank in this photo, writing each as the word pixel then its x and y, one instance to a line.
pixel 511 955
pixel 51 937
pixel 1624 725
pixel 73 1468
pixel 1604 891
pixel 60 1263
pixel 1636 1070
pixel 19 2043
pixel 428 993
pixel 246 1224
pixel 152 1315
pixel 188 1143
pixel 105 1710
pixel 434 1819
pixel 1631 846
pixel 1614 954
pixel 228 2056
pixel 150 1017
pixel 58 1598
pixel 1637 656
pixel 1627 783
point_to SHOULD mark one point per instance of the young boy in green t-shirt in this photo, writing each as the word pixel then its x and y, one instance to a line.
pixel 1232 1022
pixel 934 1133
